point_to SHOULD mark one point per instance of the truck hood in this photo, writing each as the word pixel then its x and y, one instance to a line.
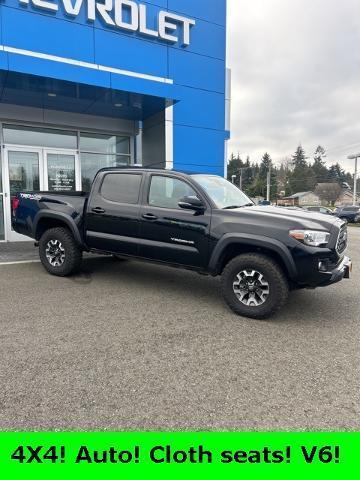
pixel 293 218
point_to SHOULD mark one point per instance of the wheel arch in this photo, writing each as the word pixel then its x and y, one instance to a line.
pixel 231 246
pixel 47 220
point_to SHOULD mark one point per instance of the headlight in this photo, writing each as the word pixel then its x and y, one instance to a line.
pixel 312 238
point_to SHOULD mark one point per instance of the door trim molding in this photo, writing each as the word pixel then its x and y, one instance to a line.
pixel 141 241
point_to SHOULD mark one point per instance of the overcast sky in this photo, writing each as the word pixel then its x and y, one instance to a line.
pixel 295 77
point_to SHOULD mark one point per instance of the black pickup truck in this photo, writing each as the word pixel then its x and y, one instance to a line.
pixel 193 221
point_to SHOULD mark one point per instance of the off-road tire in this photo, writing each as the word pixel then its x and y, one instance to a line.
pixel 278 285
pixel 72 252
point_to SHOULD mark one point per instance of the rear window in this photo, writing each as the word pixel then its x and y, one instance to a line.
pixel 121 188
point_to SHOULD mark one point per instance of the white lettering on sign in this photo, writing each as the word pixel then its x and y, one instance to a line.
pixel 125 14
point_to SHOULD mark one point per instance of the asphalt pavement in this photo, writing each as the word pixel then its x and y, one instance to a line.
pixel 131 346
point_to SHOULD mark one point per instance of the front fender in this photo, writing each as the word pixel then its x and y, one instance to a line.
pixel 258 241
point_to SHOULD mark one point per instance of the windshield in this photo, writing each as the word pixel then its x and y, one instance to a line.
pixel 223 193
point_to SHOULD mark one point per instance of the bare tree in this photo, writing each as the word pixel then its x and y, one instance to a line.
pixel 328 192
pixel 287 163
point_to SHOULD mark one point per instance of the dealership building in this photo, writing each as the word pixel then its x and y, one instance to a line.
pixel 87 84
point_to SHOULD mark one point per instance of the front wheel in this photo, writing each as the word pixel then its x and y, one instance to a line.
pixel 59 253
pixel 254 286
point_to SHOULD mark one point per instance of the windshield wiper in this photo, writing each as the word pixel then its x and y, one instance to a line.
pixel 231 207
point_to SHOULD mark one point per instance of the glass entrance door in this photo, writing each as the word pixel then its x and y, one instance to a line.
pixel 62 172
pixel 2 218
pixel 23 172
pixel 36 169
pixel 2 211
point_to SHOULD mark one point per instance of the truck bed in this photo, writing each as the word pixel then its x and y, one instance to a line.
pixel 29 207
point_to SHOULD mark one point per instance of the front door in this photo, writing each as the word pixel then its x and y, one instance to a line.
pixel 36 169
pixel 23 170
pixel 169 233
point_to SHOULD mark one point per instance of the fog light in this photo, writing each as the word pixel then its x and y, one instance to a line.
pixel 322 267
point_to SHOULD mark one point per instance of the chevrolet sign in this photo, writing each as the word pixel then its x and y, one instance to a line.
pixel 126 15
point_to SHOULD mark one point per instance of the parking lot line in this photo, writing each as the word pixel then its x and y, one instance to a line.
pixel 19 262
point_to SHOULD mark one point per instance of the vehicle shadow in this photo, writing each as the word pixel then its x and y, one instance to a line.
pixel 155 278
pixel 306 306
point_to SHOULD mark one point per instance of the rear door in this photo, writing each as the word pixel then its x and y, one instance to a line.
pixel 113 213
pixel 169 233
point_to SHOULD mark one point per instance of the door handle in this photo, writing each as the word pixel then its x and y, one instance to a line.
pixel 98 210
pixel 149 216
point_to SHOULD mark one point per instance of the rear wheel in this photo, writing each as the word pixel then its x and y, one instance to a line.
pixel 254 286
pixel 59 253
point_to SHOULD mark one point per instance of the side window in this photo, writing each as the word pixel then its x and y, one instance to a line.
pixel 121 188
pixel 166 192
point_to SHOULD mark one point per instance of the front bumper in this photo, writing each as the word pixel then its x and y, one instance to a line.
pixel 343 270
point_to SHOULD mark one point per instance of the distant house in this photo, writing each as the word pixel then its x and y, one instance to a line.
pixel 328 192
pixel 301 199
pixel 346 198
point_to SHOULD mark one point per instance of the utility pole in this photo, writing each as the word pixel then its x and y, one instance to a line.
pixel 241 178
pixel 268 186
pixel 355 180
pixel 355 157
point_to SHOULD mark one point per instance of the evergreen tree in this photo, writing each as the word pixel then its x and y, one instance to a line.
pixel 265 166
pixel 319 167
pixel 337 174
pixel 234 166
pixel 248 175
pixel 302 178
pixel 294 175
pixel 299 158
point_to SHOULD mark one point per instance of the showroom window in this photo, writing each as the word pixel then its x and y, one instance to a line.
pixel 111 144
pixel 96 150
pixel 43 158
pixel 121 188
pixel 100 151
pixel 40 137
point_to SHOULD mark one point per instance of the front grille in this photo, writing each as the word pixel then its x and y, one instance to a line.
pixel 342 240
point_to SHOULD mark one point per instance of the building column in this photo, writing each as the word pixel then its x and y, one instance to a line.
pixel 169 137
pixel 139 145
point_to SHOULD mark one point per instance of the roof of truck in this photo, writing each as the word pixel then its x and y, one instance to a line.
pixel 149 169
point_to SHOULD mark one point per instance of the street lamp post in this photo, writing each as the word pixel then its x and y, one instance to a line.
pixel 241 178
pixel 355 157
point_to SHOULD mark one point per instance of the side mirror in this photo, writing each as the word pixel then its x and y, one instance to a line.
pixel 191 203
